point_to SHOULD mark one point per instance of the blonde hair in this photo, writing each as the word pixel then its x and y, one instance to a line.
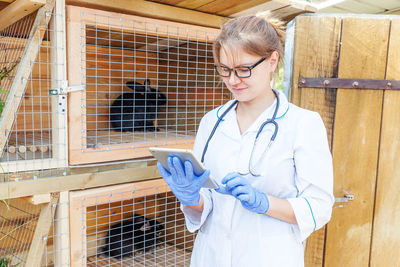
pixel 257 34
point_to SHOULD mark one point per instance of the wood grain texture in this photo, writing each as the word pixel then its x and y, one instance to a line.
pixel 386 234
pixel 356 141
pixel 316 55
pixel 17 10
pixel 153 10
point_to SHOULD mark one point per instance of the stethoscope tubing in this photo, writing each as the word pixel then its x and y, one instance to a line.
pixel 272 120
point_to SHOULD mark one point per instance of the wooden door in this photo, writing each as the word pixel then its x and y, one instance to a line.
pixel 362 126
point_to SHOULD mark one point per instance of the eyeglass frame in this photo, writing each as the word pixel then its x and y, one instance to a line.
pixel 244 67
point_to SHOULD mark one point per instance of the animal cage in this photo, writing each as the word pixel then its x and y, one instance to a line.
pixel 147 83
pixel 136 224
pixel 33 122
pixel 30 232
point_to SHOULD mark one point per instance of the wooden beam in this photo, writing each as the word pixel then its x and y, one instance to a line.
pixel 23 71
pixel 17 10
pixel 154 10
pixel 387 204
pixel 358 115
pixel 42 231
pixel 61 228
pixel 10 190
pixel 58 75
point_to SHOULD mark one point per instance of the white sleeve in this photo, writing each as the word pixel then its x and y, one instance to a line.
pixel 194 219
pixel 314 176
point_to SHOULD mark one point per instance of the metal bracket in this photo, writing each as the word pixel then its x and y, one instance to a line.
pixel 349 83
pixel 66 89
pixel 346 198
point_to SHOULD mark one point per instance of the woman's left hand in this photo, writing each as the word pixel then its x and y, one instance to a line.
pixel 238 186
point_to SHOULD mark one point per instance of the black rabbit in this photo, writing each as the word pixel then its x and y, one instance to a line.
pixel 137 110
pixel 137 234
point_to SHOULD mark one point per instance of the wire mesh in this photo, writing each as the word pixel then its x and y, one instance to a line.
pixel 146 84
pixel 18 219
pixel 139 229
pixel 31 141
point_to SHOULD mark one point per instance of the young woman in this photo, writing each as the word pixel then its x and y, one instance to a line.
pixel 270 157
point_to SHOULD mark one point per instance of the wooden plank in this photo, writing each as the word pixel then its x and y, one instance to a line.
pixel 154 10
pixel 39 199
pixel 77 221
pixel 114 23
pixel 17 10
pixel 58 76
pixel 23 71
pixel 76 182
pixel 42 231
pixel 316 55
pixel 356 141
pixel 61 235
pixel 121 152
pixel 103 195
pixel 385 236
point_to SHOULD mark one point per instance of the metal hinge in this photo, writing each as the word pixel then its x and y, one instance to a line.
pixel 378 84
pixel 66 89
pixel 346 198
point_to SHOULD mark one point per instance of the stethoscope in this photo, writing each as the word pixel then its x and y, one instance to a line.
pixel 268 121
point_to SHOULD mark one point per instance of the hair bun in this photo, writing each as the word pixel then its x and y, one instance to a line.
pixel 277 24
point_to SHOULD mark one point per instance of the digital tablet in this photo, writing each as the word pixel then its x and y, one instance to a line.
pixel 161 154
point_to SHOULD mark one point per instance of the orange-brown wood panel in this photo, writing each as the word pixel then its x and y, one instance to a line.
pixel 356 141
pixel 316 55
pixel 386 234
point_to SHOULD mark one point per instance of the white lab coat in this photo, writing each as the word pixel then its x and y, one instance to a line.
pixel 298 167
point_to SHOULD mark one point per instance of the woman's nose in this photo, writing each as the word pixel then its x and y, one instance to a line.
pixel 233 79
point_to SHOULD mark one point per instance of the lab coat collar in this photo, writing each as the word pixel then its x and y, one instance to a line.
pixel 230 127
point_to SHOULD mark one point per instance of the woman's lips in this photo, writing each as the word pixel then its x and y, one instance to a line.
pixel 238 90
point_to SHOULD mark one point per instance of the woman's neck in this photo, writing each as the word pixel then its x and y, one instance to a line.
pixel 248 111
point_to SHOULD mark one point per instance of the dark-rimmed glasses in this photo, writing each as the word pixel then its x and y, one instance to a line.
pixel 240 71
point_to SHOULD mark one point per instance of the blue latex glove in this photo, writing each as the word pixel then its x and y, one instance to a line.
pixel 184 183
pixel 239 187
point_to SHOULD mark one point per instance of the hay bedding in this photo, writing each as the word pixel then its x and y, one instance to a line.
pixel 163 256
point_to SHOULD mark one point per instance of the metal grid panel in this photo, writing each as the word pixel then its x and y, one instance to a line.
pixel 119 56
pixel 18 219
pixel 147 230
pixel 31 141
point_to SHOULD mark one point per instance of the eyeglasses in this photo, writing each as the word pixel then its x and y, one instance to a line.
pixel 240 72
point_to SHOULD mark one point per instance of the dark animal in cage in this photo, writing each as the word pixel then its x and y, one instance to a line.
pixel 137 110
pixel 137 234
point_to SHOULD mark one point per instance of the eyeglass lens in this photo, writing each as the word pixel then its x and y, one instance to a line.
pixel 240 72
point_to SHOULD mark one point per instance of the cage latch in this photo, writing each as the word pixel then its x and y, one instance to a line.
pixel 66 89
pixel 346 198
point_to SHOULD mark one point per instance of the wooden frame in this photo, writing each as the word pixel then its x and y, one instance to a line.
pixel 17 10
pixel 80 200
pixel 58 73
pixel 78 151
pixel 154 10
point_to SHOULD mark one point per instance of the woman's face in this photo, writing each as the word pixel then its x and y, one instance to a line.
pixel 258 84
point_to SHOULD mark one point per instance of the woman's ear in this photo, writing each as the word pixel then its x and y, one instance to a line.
pixel 273 60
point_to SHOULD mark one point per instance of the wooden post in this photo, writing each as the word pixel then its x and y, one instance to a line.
pixel 42 230
pixel 323 35
pixel 58 75
pixel 61 237
pixel 24 69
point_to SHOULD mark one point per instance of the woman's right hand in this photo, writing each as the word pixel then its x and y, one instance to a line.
pixel 182 180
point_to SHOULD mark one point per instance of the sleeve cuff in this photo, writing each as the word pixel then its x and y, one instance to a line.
pixel 195 219
pixel 306 222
